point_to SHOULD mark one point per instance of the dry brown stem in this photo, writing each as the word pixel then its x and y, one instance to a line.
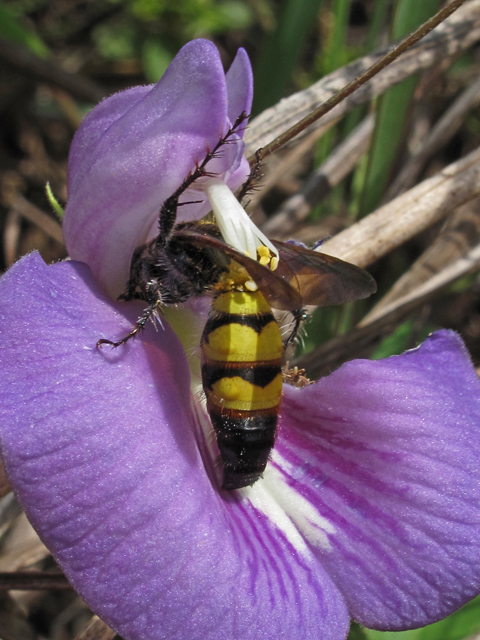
pixel 338 165
pixel 96 630
pixel 51 227
pixel 409 214
pixel 26 62
pixel 453 254
pixel 452 37
pixel 445 128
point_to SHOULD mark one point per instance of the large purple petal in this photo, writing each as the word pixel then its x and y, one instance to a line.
pixel 141 157
pixel 94 125
pixel 389 454
pixel 101 450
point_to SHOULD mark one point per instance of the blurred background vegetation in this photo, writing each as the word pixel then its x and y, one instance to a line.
pixel 60 57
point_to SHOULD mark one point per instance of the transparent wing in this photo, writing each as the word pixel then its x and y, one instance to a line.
pixel 322 279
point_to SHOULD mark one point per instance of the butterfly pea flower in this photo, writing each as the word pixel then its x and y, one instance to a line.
pixel 369 507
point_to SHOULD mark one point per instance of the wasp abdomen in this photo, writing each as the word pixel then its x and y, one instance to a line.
pixel 241 371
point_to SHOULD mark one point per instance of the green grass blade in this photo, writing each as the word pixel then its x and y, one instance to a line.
pixel 458 626
pixel 336 51
pixel 12 28
pixel 54 203
pixel 281 52
pixel 393 108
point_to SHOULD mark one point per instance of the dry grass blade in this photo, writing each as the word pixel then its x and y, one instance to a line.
pixel 22 547
pixel 4 483
pixel 30 64
pixel 338 165
pixel 96 630
pixel 13 622
pixel 275 173
pixel 359 342
pixel 420 294
pixel 452 37
pixel 32 213
pixel 33 580
pixel 409 214
pixel 453 252
pixel 387 228
pixel 11 238
pixel 10 509
pixel 445 128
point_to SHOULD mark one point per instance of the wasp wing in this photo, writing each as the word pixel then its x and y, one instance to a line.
pixel 302 277
pixel 278 291
pixel 321 279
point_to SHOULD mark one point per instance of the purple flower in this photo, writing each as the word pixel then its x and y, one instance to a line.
pixel 370 505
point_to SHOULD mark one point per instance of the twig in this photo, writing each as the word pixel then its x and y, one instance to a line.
pixel 335 352
pixel 468 263
pixel 409 214
pixel 11 237
pixel 33 580
pixel 292 157
pixel 28 63
pixel 456 241
pixel 338 165
pixel 29 211
pixel 451 38
pixel 4 483
pixel 96 630
pixel 445 128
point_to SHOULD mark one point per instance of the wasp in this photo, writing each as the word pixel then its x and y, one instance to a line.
pixel 241 344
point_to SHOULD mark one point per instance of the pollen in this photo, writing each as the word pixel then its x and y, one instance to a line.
pixel 250 285
pixel 266 257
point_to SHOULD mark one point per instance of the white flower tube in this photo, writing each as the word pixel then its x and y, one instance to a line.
pixel 235 226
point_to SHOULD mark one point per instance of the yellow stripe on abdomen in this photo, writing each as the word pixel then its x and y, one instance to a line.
pixel 242 353
pixel 240 343
pixel 240 392
pixel 241 328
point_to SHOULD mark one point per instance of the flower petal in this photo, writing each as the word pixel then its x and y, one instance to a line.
pixel 141 158
pixel 93 126
pixel 239 86
pixel 100 447
pixel 388 452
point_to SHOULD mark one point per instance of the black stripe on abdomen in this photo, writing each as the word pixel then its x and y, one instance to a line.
pixel 256 321
pixel 244 439
pixel 259 374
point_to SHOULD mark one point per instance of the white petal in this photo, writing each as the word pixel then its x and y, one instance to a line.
pixel 235 226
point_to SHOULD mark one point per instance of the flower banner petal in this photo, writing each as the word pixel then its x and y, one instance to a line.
pixel 117 185
pixel 94 125
pixel 100 447
pixel 388 452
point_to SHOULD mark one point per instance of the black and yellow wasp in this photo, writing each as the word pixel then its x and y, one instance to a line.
pixel 241 344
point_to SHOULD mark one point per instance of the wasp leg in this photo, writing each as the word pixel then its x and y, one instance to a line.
pixel 255 174
pixel 168 211
pixel 299 315
pixel 139 326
